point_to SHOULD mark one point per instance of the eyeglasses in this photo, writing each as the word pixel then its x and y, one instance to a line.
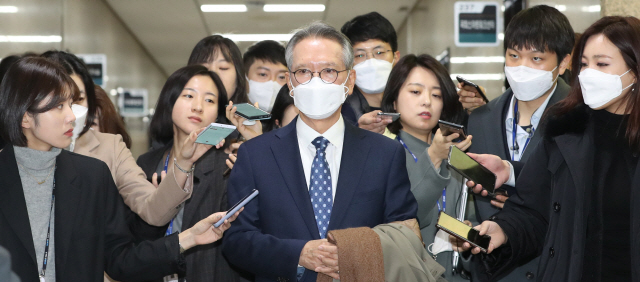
pixel 377 53
pixel 328 76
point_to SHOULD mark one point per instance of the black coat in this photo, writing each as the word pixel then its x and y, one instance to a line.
pixel 204 263
pixel 91 233
pixel 548 217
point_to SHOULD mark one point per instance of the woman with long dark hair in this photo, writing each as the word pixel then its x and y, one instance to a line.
pixel 421 91
pixel 192 97
pixel 578 202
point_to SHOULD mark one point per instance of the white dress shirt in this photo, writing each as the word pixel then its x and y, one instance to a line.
pixel 521 134
pixel 333 152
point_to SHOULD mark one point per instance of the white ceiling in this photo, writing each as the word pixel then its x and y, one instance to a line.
pixel 169 29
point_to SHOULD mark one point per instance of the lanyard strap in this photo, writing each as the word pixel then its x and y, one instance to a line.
pixel 515 147
pixel 406 147
pixel 166 165
pixel 444 200
pixel 444 191
pixel 46 245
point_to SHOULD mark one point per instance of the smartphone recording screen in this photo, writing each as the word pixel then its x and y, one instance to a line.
pixel 471 169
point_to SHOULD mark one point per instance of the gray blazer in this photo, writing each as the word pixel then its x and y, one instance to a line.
pixel 427 184
pixel 487 126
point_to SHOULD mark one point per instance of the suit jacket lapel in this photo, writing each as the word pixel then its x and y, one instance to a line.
pixel 495 136
pixel 68 198
pixel 287 155
pixel 354 155
pixel 204 166
pixel 561 92
pixel 12 202
pixel 578 151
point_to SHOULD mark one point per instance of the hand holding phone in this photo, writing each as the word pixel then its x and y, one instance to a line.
pixel 462 231
pixel 392 116
pixel 448 128
pixel 237 207
pixel 472 170
pixel 479 92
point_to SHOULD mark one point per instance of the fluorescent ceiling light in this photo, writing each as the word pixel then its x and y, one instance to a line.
pixel 475 60
pixel 479 76
pixel 257 37
pixel 591 9
pixel 223 8
pixel 293 8
pixel 30 38
pixel 8 9
pixel 561 8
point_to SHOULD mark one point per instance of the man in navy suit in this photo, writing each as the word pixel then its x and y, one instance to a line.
pixel 317 174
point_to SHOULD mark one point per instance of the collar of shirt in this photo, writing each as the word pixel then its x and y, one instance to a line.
pixel 535 118
pixel 306 134
pixel 333 153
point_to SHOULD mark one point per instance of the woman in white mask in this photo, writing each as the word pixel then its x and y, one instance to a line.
pixel 578 196
pixel 155 206
pixel 421 91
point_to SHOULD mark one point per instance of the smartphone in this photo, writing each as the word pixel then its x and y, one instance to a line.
pixel 448 128
pixel 472 170
pixel 462 231
pixel 250 112
pixel 467 82
pixel 237 207
pixel 394 116
pixel 214 133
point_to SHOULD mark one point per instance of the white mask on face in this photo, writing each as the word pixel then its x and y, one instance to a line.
pixel 78 125
pixel 529 84
pixel 372 75
pixel 440 243
pixel 319 100
pixel 599 88
pixel 264 93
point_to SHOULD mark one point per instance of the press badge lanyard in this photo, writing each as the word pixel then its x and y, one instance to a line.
pixel 46 246
pixel 514 148
pixel 166 165
pixel 444 191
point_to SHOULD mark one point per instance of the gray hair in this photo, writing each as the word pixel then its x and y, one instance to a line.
pixel 319 29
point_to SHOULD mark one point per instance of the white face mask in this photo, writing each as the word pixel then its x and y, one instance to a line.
pixel 372 75
pixel 440 243
pixel 527 83
pixel 599 88
pixel 319 100
pixel 264 93
pixel 81 116
pixel 78 125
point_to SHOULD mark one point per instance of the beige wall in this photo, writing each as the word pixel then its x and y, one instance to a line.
pixel 430 29
pixel 88 26
pixel 621 8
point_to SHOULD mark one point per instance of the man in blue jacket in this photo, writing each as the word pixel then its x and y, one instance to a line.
pixel 317 174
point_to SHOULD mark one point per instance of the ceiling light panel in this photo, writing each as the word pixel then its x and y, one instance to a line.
pixel 8 9
pixel 293 8
pixel 31 38
pixel 257 37
pixel 223 8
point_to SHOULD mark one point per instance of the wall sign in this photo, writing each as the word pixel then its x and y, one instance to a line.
pixel 133 102
pixel 476 23
pixel 97 67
